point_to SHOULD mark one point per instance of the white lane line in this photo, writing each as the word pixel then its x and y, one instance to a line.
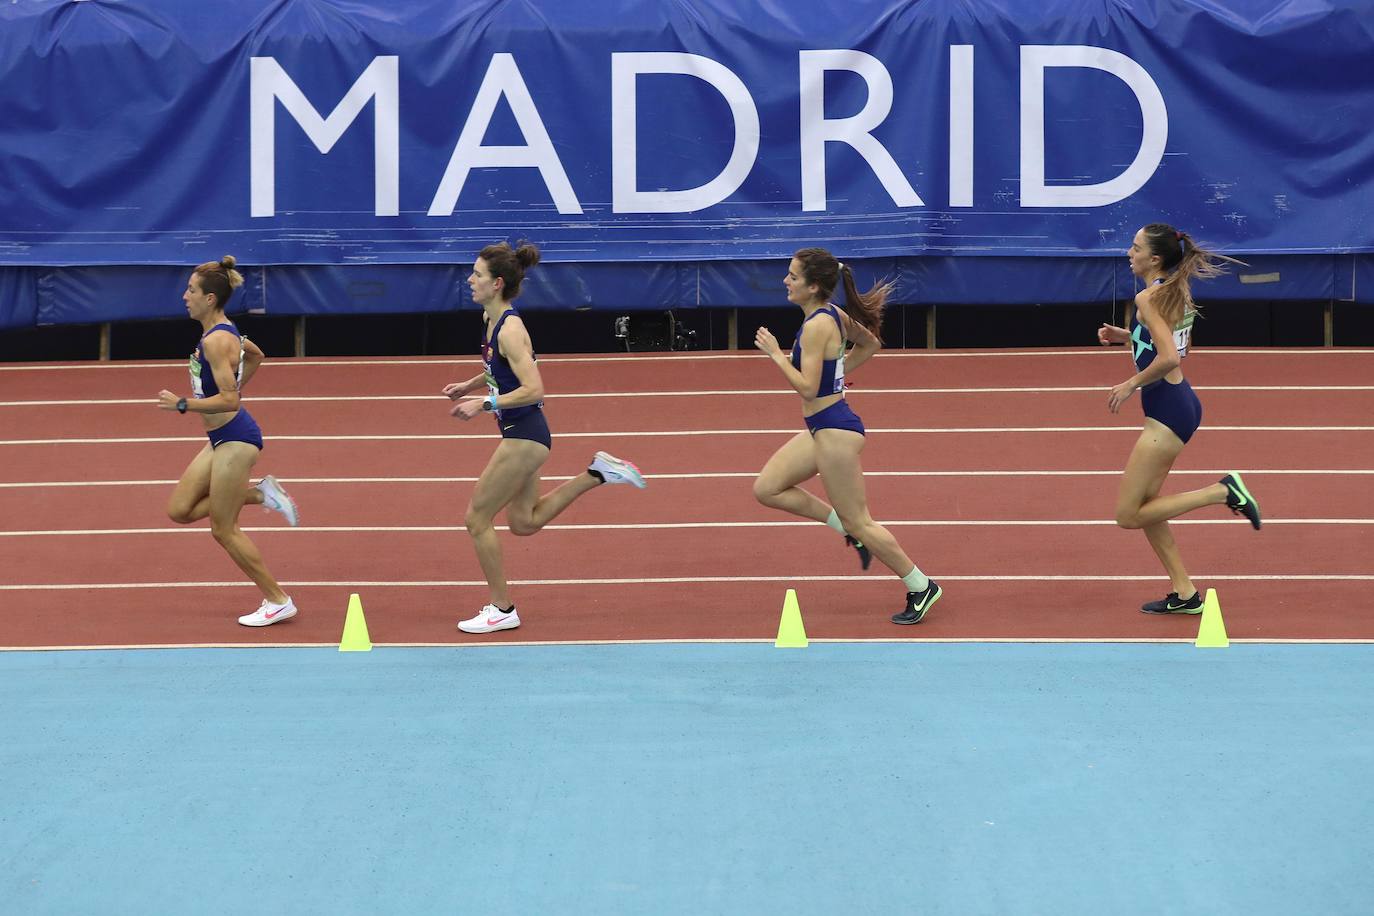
pixel 738 392
pixel 702 475
pixel 648 434
pixel 611 358
pixel 768 641
pixel 666 526
pixel 678 580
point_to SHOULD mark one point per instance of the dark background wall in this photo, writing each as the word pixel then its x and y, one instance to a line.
pixel 1229 323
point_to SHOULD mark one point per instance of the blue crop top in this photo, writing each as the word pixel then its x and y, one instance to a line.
pixel 832 370
pixel 203 384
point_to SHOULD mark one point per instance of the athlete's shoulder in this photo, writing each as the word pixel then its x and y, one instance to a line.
pixel 513 332
pixel 222 337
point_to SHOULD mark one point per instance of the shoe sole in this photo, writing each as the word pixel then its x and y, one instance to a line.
pixel 267 623
pixel 1166 613
pixel 495 629
pixel 906 623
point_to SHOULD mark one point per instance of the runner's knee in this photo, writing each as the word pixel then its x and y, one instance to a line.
pixel 522 526
pixel 1128 517
pixel 476 522
pixel 223 532
pixel 765 492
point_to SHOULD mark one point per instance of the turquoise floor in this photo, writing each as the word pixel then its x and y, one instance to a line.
pixel 690 778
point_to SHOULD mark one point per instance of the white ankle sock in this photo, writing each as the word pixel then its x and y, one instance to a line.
pixel 834 522
pixel 916 580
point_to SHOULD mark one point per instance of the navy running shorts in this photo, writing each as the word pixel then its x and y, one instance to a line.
pixel 531 426
pixel 837 416
pixel 243 428
pixel 1176 406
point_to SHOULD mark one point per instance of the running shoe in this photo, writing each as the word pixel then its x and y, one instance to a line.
pixel 612 470
pixel 1239 500
pixel 269 613
pixel 1172 604
pixel 275 498
pixel 918 604
pixel 490 619
pixel 864 556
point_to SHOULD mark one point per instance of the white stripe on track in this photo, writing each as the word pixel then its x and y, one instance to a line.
pixel 740 392
pixel 703 475
pixel 681 580
pixel 648 434
pixel 912 640
pixel 609 358
pixel 668 526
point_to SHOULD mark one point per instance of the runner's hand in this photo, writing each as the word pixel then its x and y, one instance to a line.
pixel 166 400
pixel 455 391
pixel 1120 395
pixel 466 410
pixel 765 341
pixel 1110 334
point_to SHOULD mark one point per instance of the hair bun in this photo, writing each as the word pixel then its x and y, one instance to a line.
pixel 527 255
pixel 228 262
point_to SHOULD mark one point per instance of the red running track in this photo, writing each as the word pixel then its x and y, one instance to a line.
pixel 1006 496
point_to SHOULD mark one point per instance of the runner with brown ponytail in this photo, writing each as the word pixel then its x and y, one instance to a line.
pixel 835 435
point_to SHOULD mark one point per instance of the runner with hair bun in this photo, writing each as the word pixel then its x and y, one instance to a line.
pixel 215 483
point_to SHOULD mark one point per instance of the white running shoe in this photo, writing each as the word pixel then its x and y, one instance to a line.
pixel 269 613
pixel 490 619
pixel 276 499
pixel 613 470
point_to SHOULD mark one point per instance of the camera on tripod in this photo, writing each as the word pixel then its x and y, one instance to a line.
pixel 653 331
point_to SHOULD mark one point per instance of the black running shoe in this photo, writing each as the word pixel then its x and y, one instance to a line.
pixel 864 556
pixel 1239 500
pixel 918 603
pixel 1172 604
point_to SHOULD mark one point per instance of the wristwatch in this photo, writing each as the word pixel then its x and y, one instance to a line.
pixel 181 405
pixel 489 403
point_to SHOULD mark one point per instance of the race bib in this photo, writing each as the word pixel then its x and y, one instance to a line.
pixel 1183 334
pixel 197 388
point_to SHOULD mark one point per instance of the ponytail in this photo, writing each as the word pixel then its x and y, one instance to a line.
pixel 1182 259
pixel 821 268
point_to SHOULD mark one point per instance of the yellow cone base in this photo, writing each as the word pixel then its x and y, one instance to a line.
pixel 1211 632
pixel 355 638
pixel 791 632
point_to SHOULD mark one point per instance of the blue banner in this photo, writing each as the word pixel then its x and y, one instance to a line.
pixel 333 132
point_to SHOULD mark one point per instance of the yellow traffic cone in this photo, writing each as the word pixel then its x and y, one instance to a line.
pixel 791 632
pixel 355 638
pixel 1211 631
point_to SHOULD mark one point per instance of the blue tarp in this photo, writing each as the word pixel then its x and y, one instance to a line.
pixel 173 132
pixel 73 295
pixel 673 154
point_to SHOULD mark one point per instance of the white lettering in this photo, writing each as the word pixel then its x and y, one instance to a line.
pixel 503 79
pixel 961 125
pixel 268 82
pixel 626 196
pixel 817 130
pixel 1034 191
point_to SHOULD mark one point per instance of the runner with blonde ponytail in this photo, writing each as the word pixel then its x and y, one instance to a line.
pixel 1161 329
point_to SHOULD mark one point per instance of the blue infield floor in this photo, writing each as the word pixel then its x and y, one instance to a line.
pixel 690 778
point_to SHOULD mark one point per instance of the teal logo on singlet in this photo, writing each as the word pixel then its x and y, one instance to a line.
pixel 1140 345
